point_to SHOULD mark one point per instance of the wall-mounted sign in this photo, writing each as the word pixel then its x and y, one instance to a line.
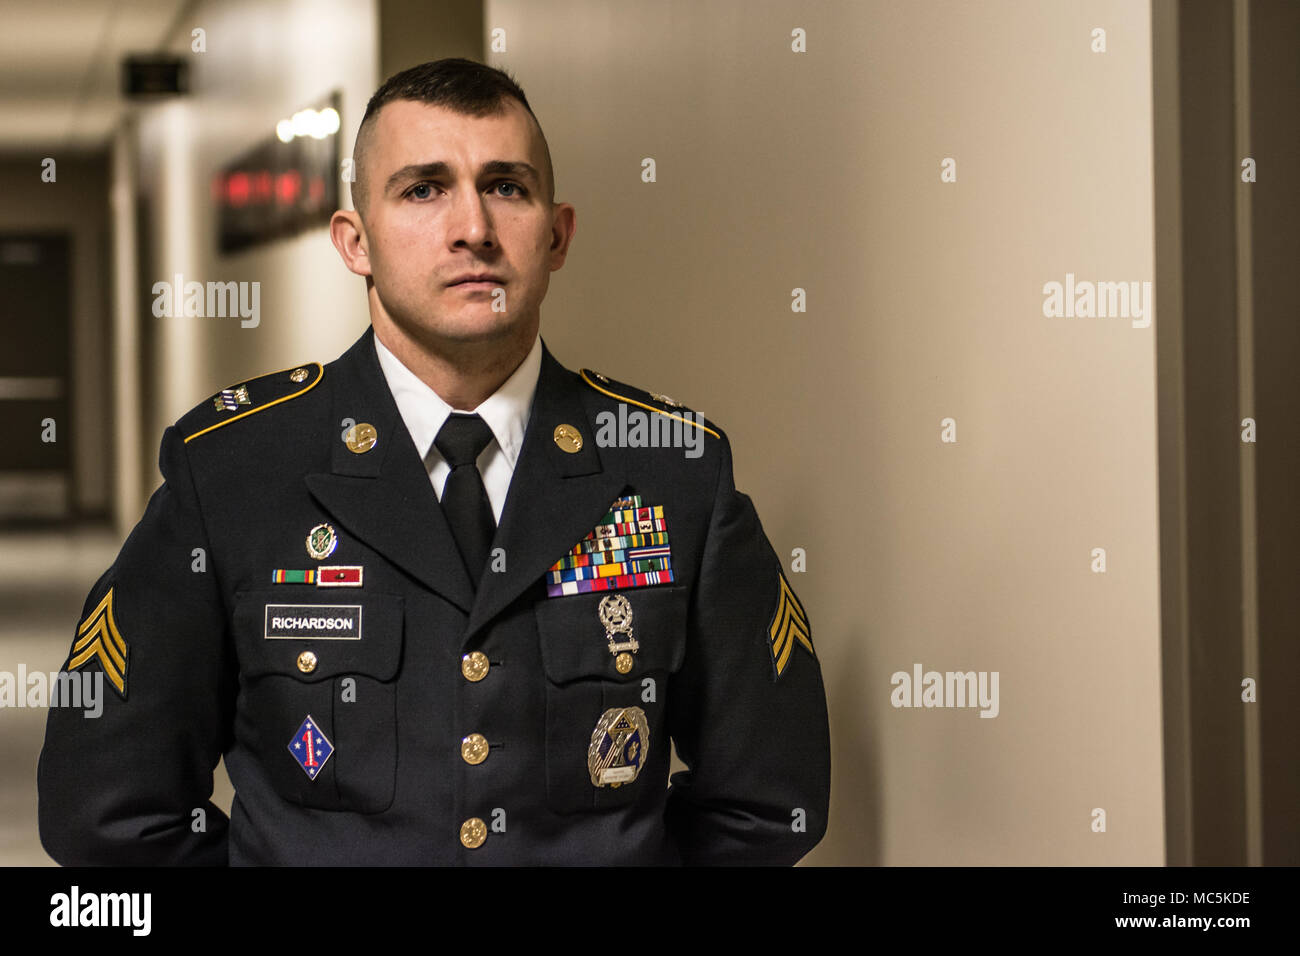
pixel 285 184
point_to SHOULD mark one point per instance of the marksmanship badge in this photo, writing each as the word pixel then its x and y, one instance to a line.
pixel 619 746
pixel 616 615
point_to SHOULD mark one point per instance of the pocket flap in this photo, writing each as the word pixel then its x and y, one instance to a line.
pixel 574 644
pixel 348 634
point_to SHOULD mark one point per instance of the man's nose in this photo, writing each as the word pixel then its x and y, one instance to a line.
pixel 470 221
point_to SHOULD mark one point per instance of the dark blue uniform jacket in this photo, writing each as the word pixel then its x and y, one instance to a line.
pixel 181 628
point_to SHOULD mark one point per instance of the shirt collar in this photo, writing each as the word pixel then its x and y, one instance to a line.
pixel 424 412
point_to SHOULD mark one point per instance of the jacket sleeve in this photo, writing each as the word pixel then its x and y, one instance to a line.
pixel 123 786
pixel 747 712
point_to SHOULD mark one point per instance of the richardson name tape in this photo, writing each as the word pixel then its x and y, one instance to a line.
pixel 340 622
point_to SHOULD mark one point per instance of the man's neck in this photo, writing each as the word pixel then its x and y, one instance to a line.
pixel 463 374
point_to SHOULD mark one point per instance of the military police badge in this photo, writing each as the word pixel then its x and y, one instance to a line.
pixel 321 541
pixel 619 746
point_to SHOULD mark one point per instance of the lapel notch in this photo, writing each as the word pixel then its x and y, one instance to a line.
pixel 383 496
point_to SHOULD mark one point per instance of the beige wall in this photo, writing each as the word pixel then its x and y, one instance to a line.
pixel 821 170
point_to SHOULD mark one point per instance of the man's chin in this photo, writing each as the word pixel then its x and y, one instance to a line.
pixel 465 331
pixel 472 333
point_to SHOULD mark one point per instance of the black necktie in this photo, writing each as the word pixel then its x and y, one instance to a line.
pixel 464 499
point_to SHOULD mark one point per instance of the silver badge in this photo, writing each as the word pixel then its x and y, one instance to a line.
pixel 619 747
pixel 616 616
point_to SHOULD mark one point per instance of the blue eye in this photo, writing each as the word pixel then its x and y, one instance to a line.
pixel 423 190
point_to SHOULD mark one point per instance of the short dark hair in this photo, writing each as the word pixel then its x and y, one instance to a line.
pixel 463 86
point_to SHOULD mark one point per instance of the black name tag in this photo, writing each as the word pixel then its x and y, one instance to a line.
pixel 339 622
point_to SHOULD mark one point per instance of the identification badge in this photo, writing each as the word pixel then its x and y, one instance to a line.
pixel 619 746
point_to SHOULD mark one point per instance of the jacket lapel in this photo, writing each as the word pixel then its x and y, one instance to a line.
pixel 383 497
pixel 555 499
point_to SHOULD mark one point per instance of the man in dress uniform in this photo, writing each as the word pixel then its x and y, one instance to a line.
pixel 442 600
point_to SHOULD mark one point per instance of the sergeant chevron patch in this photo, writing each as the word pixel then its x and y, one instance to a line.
pixel 789 625
pixel 98 639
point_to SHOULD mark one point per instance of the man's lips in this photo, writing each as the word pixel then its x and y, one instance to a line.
pixel 477 282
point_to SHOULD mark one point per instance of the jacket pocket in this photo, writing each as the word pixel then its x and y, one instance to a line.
pixel 331 661
pixel 584 684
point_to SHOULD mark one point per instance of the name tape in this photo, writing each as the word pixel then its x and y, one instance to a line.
pixel 337 622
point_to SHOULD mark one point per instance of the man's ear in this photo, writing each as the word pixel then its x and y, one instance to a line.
pixel 348 233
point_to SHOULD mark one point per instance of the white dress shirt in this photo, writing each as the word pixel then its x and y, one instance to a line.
pixel 505 412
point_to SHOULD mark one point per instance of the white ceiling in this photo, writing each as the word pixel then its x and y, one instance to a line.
pixel 61 67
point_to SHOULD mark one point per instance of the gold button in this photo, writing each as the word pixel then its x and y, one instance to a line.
pixel 306 662
pixel 298 375
pixel 474 749
pixel 472 833
pixel 361 438
pixel 474 666
pixel 623 663
pixel 568 438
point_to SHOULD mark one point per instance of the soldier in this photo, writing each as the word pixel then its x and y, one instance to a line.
pixel 426 604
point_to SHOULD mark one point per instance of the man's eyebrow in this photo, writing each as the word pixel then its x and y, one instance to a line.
pixel 442 170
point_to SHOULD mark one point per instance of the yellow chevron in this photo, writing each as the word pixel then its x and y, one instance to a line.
pixel 789 624
pixel 99 639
